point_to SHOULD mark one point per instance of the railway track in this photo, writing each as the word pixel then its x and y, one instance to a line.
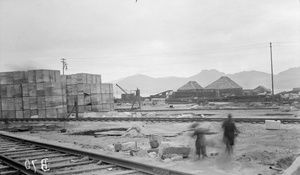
pixel 21 156
pixel 182 110
pixel 152 119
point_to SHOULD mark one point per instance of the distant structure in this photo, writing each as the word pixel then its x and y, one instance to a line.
pixel 225 87
pixel 190 86
pixel 261 90
pixel 47 94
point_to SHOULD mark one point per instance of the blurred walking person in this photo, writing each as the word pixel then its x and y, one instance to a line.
pixel 230 132
pixel 200 143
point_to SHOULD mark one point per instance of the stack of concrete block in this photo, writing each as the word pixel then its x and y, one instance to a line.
pixel 46 93
pixel 34 92
pixel 89 92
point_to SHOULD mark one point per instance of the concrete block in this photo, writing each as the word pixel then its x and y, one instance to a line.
pixel 294 169
pixel 169 148
pixel 129 146
pixel 272 124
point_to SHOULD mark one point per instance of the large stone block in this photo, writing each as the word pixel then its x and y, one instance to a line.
pixel 273 124
pixel 166 148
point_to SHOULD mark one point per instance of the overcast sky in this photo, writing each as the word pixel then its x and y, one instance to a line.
pixel 159 38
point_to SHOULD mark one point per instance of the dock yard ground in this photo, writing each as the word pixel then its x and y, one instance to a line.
pixel 256 148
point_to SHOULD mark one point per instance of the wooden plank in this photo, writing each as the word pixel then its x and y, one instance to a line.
pixel 82 170
pixel 105 88
pixel 122 172
pixel 51 167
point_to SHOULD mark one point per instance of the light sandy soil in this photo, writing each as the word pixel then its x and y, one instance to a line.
pixel 255 151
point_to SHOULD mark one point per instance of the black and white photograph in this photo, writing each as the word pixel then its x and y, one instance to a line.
pixel 149 87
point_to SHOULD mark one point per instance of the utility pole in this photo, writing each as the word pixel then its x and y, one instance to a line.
pixel 272 73
pixel 65 66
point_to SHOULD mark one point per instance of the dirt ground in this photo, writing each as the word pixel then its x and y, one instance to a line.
pixel 256 148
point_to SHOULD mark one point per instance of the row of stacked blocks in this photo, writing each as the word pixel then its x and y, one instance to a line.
pixel 47 94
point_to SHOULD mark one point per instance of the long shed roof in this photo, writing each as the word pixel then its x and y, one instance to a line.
pixel 223 83
pixel 191 85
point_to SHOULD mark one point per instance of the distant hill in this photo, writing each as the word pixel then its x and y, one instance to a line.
pixel 283 81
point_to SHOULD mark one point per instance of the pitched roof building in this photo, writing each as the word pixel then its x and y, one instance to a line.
pixel 190 86
pixel 225 87
pixel 223 83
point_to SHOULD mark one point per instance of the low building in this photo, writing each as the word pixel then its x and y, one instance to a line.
pixel 225 87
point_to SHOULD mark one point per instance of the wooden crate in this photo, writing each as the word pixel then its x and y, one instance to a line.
pixel 87 100
pixel 26 113
pixel 71 79
pixel 41 103
pixel 40 90
pixel 72 89
pixel 25 90
pixel 18 103
pixel 42 76
pixel 62 112
pixel 42 113
pixel 9 78
pixel 106 98
pixel 26 103
pixel 57 76
pixel 10 91
pixel 81 78
pixel 33 112
pixel 19 114
pixel 97 108
pixel 96 99
pixel 83 88
pixel 19 77
pixel 95 88
pixel 3 91
pixel 17 91
pixel 51 113
pixel 88 108
pixel 80 98
pixel 31 76
pixel 107 88
pixel 57 89
pixel 98 79
pixel 8 104
pixel 4 114
pixel 53 101
pixel 33 103
pixel 32 90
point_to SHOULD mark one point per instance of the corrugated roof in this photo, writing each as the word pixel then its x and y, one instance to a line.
pixel 259 88
pixel 191 85
pixel 223 83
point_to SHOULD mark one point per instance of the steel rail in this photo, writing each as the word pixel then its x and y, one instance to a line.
pixel 108 159
pixel 152 119
pixel 176 110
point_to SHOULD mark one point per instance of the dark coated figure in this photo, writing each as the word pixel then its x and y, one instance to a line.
pixel 230 132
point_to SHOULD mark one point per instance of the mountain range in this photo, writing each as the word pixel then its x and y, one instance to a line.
pixel 283 81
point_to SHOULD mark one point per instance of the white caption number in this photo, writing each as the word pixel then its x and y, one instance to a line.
pixel 43 164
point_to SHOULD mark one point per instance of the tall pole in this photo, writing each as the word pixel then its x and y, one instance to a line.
pixel 64 65
pixel 272 73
